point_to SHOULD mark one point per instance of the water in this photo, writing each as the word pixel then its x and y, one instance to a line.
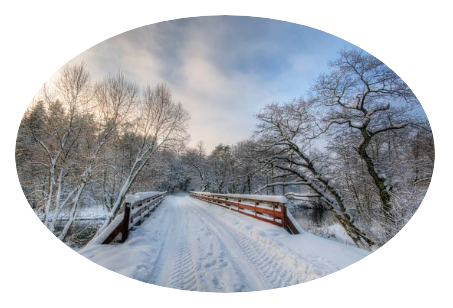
pixel 309 219
pixel 83 230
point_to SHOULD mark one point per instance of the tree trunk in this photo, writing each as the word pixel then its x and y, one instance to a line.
pixel 379 181
pixel 249 183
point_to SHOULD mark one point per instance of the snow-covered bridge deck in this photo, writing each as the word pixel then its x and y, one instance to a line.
pixel 194 245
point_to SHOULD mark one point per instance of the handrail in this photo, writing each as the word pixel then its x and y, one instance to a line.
pixel 270 211
pixel 133 215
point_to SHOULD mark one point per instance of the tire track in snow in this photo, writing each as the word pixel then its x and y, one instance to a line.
pixel 158 263
pixel 149 270
pixel 274 265
pixel 173 267
pixel 193 245
pixel 256 281
pixel 183 273
pixel 307 266
pixel 224 261
pixel 205 248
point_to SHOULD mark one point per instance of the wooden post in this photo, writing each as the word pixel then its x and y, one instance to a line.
pixel 273 209
pixel 127 215
pixel 283 209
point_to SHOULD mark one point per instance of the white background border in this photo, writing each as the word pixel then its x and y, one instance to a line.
pixel 412 38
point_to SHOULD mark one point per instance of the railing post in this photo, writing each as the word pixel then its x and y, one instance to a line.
pixel 283 207
pixel 127 215
pixel 273 210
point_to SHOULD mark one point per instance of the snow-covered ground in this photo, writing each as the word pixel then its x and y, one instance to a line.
pixel 193 245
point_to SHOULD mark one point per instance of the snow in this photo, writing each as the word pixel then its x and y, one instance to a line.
pixel 280 199
pixel 98 240
pixel 336 232
pixel 294 221
pixel 194 245
pixel 296 196
pixel 141 196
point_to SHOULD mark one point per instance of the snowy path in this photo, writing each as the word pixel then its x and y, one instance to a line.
pixel 192 245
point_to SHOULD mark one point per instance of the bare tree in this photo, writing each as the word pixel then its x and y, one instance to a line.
pixel 160 124
pixel 197 163
pixel 249 172
pixel 59 110
pixel 362 98
pixel 114 99
pixel 284 135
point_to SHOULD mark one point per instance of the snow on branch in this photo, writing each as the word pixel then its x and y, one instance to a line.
pixel 280 184
pixel 292 195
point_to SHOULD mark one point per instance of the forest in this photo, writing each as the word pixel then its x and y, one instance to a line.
pixel 358 145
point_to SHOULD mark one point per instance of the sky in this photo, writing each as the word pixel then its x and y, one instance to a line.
pixel 223 69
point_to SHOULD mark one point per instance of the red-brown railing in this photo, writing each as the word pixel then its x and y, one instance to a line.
pixel 134 214
pixel 273 212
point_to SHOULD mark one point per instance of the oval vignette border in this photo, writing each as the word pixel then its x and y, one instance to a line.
pixel 416 92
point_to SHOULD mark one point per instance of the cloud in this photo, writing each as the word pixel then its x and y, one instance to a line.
pixel 222 69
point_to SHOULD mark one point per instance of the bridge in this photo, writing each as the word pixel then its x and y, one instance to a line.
pixel 215 242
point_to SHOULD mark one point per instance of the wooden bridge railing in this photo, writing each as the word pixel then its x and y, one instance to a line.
pixel 136 208
pixel 270 211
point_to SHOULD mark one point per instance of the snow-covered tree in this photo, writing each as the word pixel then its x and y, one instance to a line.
pixel 359 100
pixel 284 134
pixel 81 144
pixel 55 124
pixel 222 167
pixel 114 99
pixel 160 124
pixel 198 166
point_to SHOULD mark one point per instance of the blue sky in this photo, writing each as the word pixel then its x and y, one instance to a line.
pixel 222 69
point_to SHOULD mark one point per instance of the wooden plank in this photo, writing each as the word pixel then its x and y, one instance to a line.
pixel 127 223
pixel 144 207
pixel 139 212
pixel 291 227
pixel 259 218
pixel 242 207
pixel 254 208
pixel 125 230
pixel 277 213
pixel 245 199
pixel 114 233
